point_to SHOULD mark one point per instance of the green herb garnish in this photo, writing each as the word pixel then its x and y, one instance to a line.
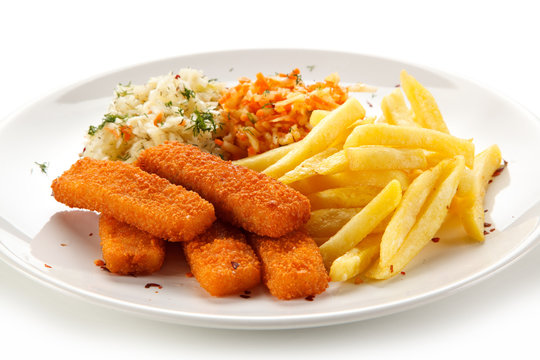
pixel 212 80
pixel 298 78
pixel 107 118
pixel 310 67
pixel 251 118
pixel 42 166
pixel 168 104
pixel 204 121
pixel 187 93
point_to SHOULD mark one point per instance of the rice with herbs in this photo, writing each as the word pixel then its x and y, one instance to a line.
pixel 175 107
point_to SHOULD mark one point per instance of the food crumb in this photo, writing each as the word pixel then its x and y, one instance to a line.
pixel 48 266
pixel 358 280
pixel 487 224
pixel 492 230
pixel 403 273
pixel 90 234
pixel 235 265
pixel 63 244
pixel 99 262
pixel 149 285
pixel 245 296
pixel 435 239
pixel 485 232
pixel 310 297
pixel 189 275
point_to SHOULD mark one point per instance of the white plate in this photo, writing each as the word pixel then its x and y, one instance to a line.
pixel 33 226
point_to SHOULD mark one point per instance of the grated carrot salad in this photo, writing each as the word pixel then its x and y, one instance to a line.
pixel 273 111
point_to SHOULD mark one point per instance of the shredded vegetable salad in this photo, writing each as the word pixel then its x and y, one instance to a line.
pixel 272 111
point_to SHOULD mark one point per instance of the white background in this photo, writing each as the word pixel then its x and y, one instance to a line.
pixel 49 44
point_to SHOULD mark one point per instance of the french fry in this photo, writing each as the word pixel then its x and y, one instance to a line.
pixel 410 137
pixel 307 167
pixel 324 223
pixel 356 260
pixel 424 106
pixel 375 157
pixel 317 116
pixel 378 178
pixel 333 164
pixel 428 222
pixel 344 197
pixel 472 216
pixel 395 110
pixel 362 223
pixel 407 211
pixel 260 162
pixel 320 138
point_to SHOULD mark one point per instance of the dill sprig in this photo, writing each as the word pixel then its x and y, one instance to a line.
pixel 107 118
pixel 187 93
pixel 203 121
pixel 42 166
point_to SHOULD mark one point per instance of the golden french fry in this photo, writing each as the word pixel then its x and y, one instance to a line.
pixel 320 138
pixel 395 110
pixel 307 167
pixel 324 223
pixel 410 137
pixel 378 178
pixel 356 260
pixel 262 161
pixel 362 223
pixel 317 116
pixel 407 211
pixel 375 157
pixel 429 220
pixel 345 197
pixel 424 106
pixel 433 158
pixel 472 216
pixel 333 164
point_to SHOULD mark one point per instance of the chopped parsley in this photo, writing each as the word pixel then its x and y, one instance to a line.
pixel 42 166
pixel 168 104
pixel 310 67
pixel 181 111
pixel 212 80
pixel 298 78
pixel 203 121
pixel 107 118
pixel 231 69
pixel 123 92
pixel 251 118
pixel 187 93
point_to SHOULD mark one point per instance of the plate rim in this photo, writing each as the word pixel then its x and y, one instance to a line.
pixel 265 322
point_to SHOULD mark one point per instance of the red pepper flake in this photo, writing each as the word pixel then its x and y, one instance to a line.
pixel 189 274
pixel 491 230
pixel 403 273
pixel 490 181
pixel 99 262
pixel 485 232
pixel 391 268
pixel 358 280
pixel 177 77
pixel 435 239
pixel 370 104
pixel 398 85
pixel 245 296
pixel 48 266
pixel 487 225
pixel 500 169
pixel 149 285
pixel 310 297
pixel 486 210
pixel 90 234
pixel 235 265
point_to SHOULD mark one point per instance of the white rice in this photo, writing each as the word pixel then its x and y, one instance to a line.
pixel 188 102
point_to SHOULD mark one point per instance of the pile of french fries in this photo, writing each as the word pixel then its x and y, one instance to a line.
pixel 381 188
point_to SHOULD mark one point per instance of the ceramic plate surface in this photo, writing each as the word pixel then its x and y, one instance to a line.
pixel 58 246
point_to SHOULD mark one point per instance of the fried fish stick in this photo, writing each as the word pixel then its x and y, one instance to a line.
pixel 133 196
pixel 240 196
pixel 222 261
pixel 292 266
pixel 128 250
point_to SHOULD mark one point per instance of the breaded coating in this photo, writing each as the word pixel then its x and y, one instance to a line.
pixel 222 261
pixel 292 265
pixel 241 196
pixel 133 196
pixel 128 250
